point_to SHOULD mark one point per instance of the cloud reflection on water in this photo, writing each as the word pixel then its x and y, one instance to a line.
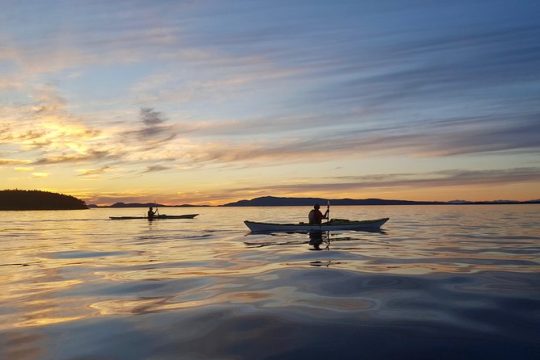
pixel 194 287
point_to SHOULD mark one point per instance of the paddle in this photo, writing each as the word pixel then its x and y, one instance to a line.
pixel 328 210
pixel 328 218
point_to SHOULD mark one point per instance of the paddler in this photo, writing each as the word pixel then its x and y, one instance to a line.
pixel 151 213
pixel 315 215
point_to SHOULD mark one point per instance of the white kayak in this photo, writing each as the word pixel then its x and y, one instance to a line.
pixel 156 217
pixel 334 224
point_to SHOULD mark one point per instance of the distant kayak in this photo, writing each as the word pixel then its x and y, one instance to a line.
pixel 334 224
pixel 156 217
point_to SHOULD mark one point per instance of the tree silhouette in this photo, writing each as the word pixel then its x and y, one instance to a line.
pixel 38 200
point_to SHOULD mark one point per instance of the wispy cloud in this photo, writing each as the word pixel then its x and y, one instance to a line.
pixel 94 172
pixel 448 137
pixel 333 186
pixel 151 118
pixel 155 168
pixel 4 162
pixel 435 179
pixel 61 138
pixel 92 155
pixel 153 129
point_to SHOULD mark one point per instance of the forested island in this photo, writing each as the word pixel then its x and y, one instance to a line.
pixel 38 200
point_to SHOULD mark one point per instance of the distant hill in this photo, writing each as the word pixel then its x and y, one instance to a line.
pixel 38 200
pixel 189 205
pixel 290 201
pixel 133 205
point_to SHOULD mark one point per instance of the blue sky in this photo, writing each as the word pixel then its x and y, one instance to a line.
pixel 211 101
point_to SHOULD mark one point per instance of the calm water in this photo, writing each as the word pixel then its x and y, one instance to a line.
pixel 440 282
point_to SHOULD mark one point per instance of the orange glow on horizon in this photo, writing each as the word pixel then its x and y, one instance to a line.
pixel 216 198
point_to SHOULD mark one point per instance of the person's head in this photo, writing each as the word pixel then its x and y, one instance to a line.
pixel 317 206
pixel 150 208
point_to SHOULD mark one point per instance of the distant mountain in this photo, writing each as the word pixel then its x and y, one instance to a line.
pixel 190 205
pixel 38 200
pixel 290 201
pixel 135 205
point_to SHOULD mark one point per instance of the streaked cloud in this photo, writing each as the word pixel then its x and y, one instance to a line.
pixel 4 162
pixel 92 155
pixel 435 179
pixel 93 172
pixel 153 127
pixel 154 168
pixel 333 186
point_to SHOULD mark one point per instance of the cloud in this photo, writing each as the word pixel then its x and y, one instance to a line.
pixel 155 168
pixel 416 181
pixel 92 155
pixel 63 138
pixel 153 130
pixel 453 136
pixel 412 180
pixel 45 132
pixel 338 185
pixel 440 67
pixel 4 162
pixel 151 118
pixel 93 172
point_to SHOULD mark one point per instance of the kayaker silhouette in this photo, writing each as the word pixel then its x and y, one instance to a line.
pixel 315 215
pixel 151 213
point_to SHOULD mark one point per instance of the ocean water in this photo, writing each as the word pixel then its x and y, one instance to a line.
pixel 439 282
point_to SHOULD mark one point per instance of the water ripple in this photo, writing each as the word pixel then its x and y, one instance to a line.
pixel 439 282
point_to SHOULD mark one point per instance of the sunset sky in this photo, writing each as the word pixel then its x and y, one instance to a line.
pixel 206 102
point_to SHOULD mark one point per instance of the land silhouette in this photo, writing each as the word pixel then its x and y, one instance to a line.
pixel 38 200
pixel 309 201
pixel 44 200
pixel 131 205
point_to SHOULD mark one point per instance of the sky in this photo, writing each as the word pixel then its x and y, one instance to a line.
pixel 206 102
